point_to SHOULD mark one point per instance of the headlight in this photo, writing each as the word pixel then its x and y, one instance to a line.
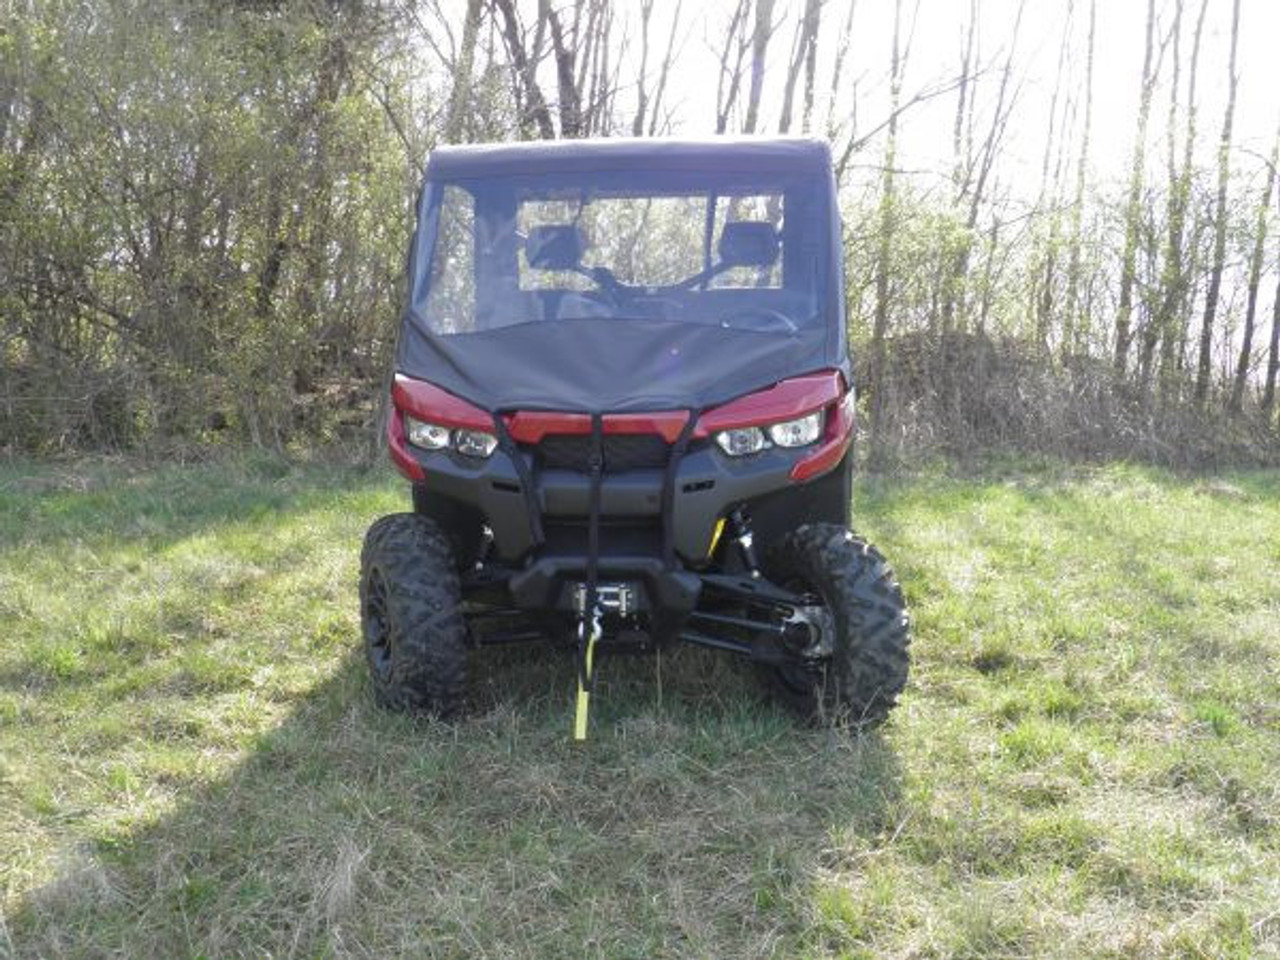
pixel 474 443
pixel 741 442
pixel 744 441
pixel 432 436
pixel 428 436
pixel 797 433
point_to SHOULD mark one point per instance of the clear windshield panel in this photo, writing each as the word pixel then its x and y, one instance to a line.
pixel 740 252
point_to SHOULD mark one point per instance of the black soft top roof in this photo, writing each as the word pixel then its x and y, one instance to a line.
pixel 791 154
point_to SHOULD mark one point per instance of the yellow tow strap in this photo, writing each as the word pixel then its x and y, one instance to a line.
pixel 592 627
pixel 584 694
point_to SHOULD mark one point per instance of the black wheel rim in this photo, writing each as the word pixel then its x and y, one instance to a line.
pixel 378 638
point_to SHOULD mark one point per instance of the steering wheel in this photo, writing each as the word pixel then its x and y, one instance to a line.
pixel 591 303
pixel 771 320
pixel 657 305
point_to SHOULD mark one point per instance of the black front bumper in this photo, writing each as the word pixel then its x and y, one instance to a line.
pixel 707 486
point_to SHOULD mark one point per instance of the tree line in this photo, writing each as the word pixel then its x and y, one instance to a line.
pixel 204 209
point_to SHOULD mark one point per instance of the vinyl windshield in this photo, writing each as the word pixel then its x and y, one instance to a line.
pixel 739 251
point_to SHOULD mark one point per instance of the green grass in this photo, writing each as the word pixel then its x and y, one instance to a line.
pixel 1086 762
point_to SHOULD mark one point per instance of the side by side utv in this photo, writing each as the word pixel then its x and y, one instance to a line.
pixel 624 400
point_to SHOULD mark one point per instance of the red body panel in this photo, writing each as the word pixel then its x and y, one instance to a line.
pixel 787 400
pixel 784 401
pixel 426 401
pixel 530 426
pixel 835 443
pixel 399 447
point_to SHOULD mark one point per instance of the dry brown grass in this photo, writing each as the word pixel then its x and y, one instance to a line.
pixel 962 397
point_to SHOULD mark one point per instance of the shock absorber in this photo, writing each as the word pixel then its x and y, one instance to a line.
pixel 742 536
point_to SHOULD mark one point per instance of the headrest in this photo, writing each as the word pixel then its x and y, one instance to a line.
pixel 748 243
pixel 554 246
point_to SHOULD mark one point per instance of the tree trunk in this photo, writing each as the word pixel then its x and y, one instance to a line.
pixel 1133 209
pixel 642 77
pixel 664 72
pixel 1042 298
pixel 759 51
pixel 1255 278
pixel 1220 220
pixel 961 148
pixel 988 275
pixel 731 73
pixel 837 70
pixel 1173 303
pixel 1070 328
pixel 813 18
pixel 566 81
pixel 986 163
pixel 806 40
pixel 1273 360
pixel 880 324
pixel 525 71
pixel 460 96
pixel 962 169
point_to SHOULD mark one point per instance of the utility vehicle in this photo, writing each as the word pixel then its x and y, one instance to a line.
pixel 624 400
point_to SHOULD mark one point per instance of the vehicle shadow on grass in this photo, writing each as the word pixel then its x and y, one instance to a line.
pixel 694 822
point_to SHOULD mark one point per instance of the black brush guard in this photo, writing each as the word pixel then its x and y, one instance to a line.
pixel 607 592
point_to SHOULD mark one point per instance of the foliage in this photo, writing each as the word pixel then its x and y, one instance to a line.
pixel 204 208
pixel 204 220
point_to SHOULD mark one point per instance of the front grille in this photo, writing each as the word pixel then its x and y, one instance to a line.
pixel 622 452
pixel 619 536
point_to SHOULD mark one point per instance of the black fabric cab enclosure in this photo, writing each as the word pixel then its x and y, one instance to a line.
pixel 623 275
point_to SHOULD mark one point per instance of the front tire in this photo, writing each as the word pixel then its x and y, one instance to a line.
pixel 860 681
pixel 411 616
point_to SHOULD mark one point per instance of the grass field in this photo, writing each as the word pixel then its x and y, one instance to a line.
pixel 1086 762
